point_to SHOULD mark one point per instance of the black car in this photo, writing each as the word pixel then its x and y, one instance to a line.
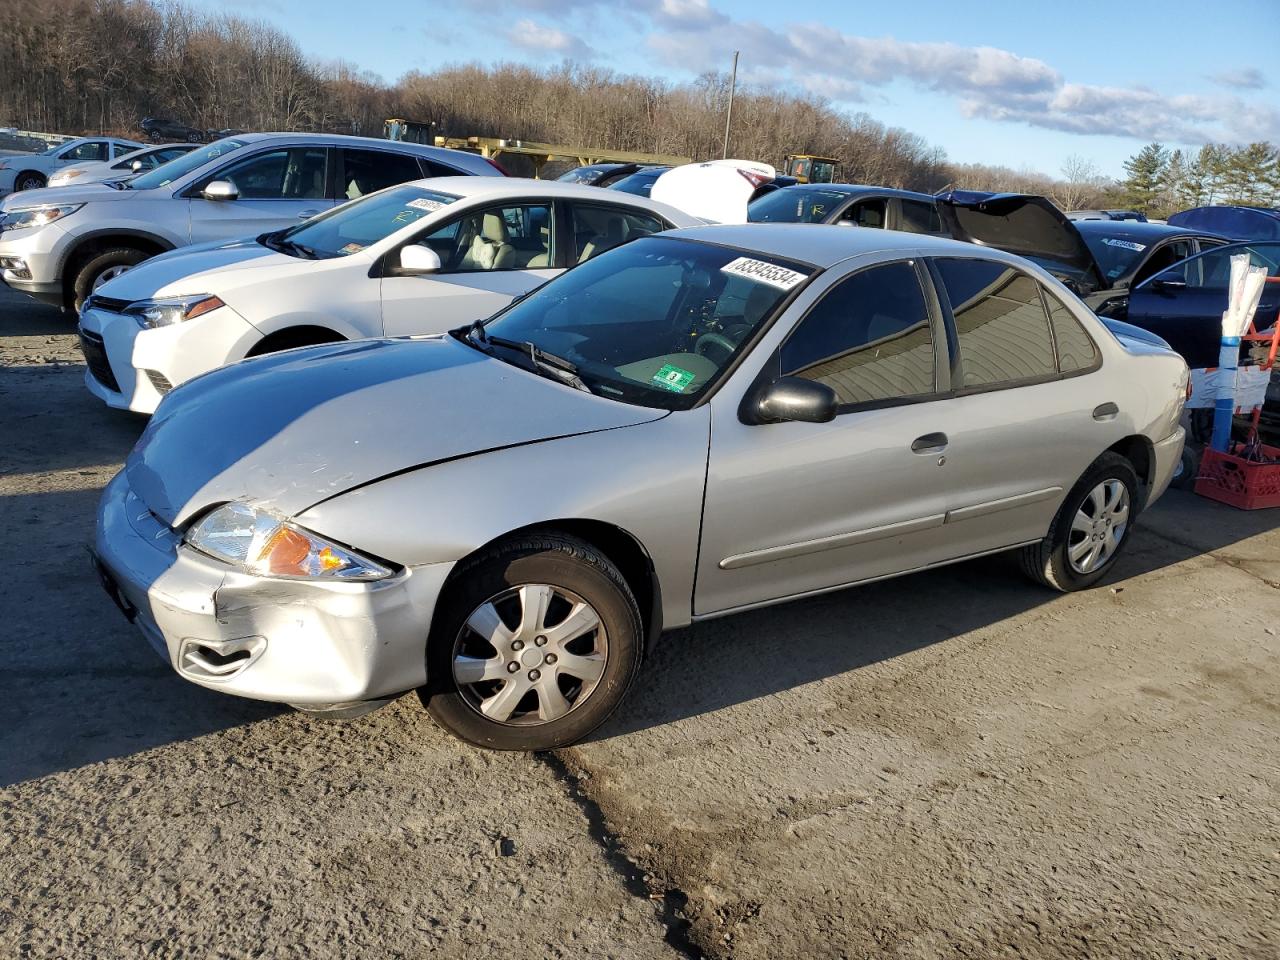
pixel 161 130
pixel 1107 215
pixel 1100 260
pixel 641 181
pixel 855 204
pixel 599 174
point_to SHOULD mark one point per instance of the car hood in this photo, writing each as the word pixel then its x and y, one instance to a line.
pixel 68 194
pixel 187 270
pixel 287 431
pixel 1027 225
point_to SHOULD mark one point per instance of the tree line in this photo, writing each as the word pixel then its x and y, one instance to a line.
pixel 99 66
pixel 1159 181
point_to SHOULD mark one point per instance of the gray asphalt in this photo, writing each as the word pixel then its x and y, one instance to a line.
pixel 953 764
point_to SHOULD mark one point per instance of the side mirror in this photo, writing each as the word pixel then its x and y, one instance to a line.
pixel 790 398
pixel 136 166
pixel 220 190
pixel 416 259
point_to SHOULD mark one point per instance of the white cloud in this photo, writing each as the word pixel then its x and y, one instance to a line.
pixel 541 39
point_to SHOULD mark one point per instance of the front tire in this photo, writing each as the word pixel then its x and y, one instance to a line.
pixel 533 646
pixel 1090 529
pixel 28 180
pixel 102 267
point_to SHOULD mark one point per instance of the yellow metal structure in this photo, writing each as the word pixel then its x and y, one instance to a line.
pixel 810 168
pixel 540 154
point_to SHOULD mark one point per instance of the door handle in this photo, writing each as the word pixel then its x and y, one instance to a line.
pixel 1106 411
pixel 929 443
pixel 308 214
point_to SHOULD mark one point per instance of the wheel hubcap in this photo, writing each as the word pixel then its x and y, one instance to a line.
pixel 108 274
pixel 1099 526
pixel 530 655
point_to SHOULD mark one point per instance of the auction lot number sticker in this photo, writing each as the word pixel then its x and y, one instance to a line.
pixel 764 272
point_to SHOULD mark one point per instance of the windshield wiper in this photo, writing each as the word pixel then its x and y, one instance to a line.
pixel 289 247
pixel 562 370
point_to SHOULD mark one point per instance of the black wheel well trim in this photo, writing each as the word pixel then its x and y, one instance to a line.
pixel 87 244
pixel 285 332
pixel 1141 452
pixel 622 548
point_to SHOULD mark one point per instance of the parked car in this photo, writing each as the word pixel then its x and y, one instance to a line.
pixel 159 130
pixel 641 182
pixel 1184 303
pixel 690 425
pixel 849 204
pixel 599 174
pixel 1107 215
pixel 62 244
pixel 31 171
pixel 717 191
pixel 137 161
pixel 1098 259
pixel 1237 223
pixel 415 258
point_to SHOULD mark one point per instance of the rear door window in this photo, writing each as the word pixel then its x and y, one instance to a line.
pixel 600 228
pixel 364 171
pixel 1001 325
pixel 868 338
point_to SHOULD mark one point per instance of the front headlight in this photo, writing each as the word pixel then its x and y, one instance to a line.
pixel 169 310
pixel 20 218
pixel 270 546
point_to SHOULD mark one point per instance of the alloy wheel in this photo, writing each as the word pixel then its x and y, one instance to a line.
pixel 1099 526
pixel 108 274
pixel 530 655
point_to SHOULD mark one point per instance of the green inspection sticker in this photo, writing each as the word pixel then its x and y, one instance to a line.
pixel 673 378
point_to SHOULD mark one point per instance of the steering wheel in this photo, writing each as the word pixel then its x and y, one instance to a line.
pixel 714 340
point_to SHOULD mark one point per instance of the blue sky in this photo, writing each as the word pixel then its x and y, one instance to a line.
pixel 1020 84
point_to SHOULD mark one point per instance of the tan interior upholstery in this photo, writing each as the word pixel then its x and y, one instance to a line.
pixel 490 249
pixel 613 235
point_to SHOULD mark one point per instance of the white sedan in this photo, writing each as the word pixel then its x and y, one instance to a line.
pixel 125 165
pixel 417 258
pixel 29 171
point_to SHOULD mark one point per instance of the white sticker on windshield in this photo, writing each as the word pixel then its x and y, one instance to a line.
pixel 422 203
pixel 770 273
pixel 1127 244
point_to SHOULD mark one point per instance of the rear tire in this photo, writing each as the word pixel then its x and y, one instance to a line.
pixel 581 673
pixel 1090 530
pixel 29 180
pixel 102 267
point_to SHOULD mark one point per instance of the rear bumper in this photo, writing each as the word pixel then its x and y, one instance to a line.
pixel 1168 453
pixel 306 643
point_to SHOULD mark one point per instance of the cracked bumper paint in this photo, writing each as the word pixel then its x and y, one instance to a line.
pixel 313 644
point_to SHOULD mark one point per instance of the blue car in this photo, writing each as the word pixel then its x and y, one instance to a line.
pixel 1236 223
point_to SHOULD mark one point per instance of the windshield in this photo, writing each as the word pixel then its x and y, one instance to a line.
pixel 353 226
pixel 165 174
pixel 795 205
pixel 583 174
pixel 640 184
pixel 654 322
pixel 1117 256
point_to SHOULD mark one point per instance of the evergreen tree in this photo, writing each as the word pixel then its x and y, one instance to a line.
pixel 1173 182
pixel 1144 174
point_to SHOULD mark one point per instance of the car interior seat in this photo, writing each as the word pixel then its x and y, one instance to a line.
pixel 491 248
pixel 614 234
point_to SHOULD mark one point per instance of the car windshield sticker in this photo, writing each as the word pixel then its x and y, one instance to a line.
pixel 764 272
pixel 427 206
pixel 672 378
pixel 353 248
pixel 1127 244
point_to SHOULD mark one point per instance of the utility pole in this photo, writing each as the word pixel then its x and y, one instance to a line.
pixel 733 83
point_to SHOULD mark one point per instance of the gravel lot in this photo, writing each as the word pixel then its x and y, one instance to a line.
pixel 954 764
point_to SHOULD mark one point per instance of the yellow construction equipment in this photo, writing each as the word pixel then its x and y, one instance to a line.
pixel 809 168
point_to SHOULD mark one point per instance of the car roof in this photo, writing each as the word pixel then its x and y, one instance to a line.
pixel 1135 229
pixel 500 187
pixel 858 189
pixel 459 159
pixel 824 245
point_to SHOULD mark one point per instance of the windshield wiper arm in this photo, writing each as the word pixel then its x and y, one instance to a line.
pixel 563 370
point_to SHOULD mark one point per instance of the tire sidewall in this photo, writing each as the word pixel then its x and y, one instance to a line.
pixel 612 601
pixel 97 264
pixel 1106 468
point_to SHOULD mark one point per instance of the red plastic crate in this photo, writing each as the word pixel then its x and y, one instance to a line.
pixel 1239 482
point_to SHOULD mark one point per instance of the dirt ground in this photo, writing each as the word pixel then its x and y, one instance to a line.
pixel 954 764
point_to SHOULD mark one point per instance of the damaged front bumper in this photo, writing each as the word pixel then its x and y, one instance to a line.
pixel 313 644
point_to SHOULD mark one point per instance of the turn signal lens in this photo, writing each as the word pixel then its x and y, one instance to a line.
pixel 285 553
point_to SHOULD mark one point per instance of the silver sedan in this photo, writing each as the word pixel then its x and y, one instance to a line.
pixel 691 425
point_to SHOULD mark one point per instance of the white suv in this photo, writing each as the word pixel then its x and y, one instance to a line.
pixel 60 244
pixel 31 170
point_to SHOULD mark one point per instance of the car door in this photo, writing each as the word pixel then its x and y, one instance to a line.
pixel 791 507
pixel 489 255
pixel 1162 257
pixel 365 171
pixel 870 212
pixel 1030 408
pixel 1184 304
pixel 276 188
